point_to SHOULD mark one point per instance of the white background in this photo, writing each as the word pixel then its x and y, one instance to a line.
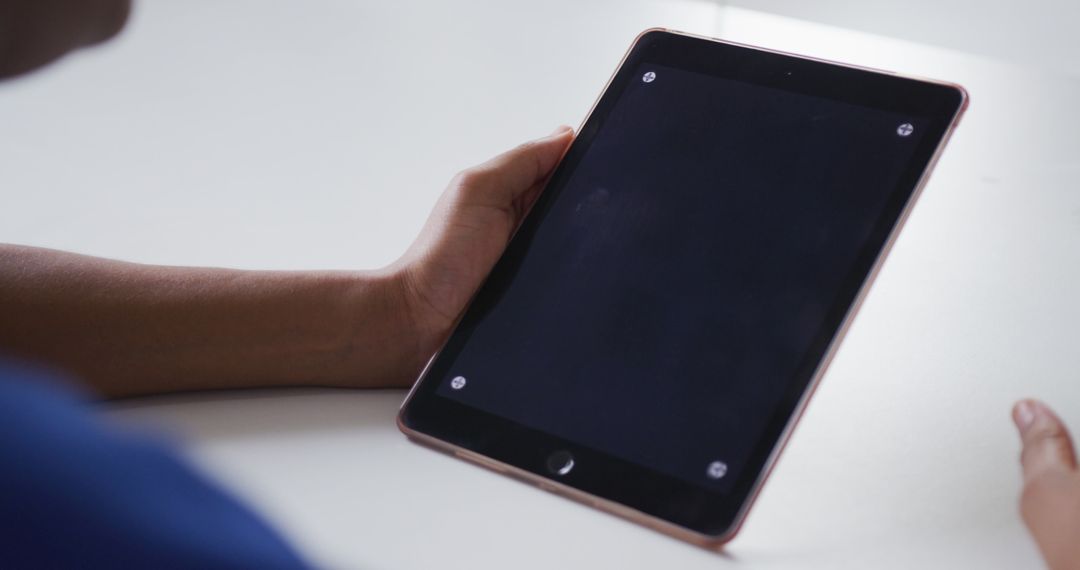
pixel 317 134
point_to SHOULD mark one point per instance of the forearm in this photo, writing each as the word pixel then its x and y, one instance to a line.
pixel 129 329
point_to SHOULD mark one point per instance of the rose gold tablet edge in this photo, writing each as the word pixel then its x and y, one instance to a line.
pixel 644 519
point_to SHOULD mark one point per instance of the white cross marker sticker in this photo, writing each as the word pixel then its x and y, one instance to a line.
pixel 716 470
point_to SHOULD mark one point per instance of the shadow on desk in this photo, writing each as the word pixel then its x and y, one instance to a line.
pixel 254 414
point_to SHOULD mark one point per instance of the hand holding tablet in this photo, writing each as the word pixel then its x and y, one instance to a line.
pixel 652 332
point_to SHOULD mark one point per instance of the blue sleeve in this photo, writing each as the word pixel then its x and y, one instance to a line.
pixel 75 493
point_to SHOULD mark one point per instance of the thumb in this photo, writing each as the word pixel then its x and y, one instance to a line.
pixel 500 181
pixel 1051 493
pixel 1048 448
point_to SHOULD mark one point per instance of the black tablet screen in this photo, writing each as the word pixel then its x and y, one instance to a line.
pixel 682 271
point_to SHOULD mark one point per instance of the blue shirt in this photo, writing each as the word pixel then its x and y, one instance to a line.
pixel 76 493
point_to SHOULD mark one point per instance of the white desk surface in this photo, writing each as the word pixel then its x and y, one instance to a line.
pixel 300 135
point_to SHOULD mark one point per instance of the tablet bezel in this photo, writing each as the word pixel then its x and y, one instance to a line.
pixel 669 504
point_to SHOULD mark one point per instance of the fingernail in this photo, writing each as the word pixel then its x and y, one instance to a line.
pixel 561 129
pixel 1025 414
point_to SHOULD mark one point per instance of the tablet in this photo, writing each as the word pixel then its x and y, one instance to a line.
pixel 658 322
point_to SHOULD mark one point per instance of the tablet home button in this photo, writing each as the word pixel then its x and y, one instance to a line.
pixel 560 462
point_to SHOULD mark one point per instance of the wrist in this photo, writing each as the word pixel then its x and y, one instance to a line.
pixel 388 343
